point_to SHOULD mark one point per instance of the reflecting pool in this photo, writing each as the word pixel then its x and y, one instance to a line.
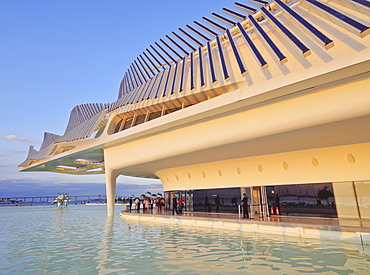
pixel 80 239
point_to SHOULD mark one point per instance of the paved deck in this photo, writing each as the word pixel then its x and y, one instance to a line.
pixel 331 228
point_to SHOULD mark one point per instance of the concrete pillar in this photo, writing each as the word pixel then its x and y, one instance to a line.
pixel 110 185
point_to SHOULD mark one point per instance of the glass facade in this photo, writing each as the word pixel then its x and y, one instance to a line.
pixel 362 189
pixel 313 199
pixel 222 200
pixel 225 200
pixel 352 199
pixel 186 194
pixel 348 200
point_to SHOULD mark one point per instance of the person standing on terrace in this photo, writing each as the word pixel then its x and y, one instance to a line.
pixel 174 205
pixel 245 206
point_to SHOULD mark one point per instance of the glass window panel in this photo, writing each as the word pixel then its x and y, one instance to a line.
pixel 363 198
pixel 345 200
pixel 288 199
pixel 307 201
pixel 206 200
pixel 325 199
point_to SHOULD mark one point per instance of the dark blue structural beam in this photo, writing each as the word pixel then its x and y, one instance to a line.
pixel 151 62
pixel 254 49
pixel 143 67
pixel 211 65
pixel 201 70
pixel 364 30
pixel 136 72
pixel 151 86
pixel 224 19
pixel 152 55
pixel 213 23
pixel 161 56
pixel 137 94
pixel 191 37
pixel 268 40
pixel 192 85
pixel 155 82
pixel 131 79
pixel 142 91
pixel 125 83
pixel 305 51
pixel 206 28
pixel 146 64
pixel 159 84
pixel 168 46
pixel 184 41
pixel 166 84
pixel 261 2
pixel 141 72
pixel 177 45
pixel 121 89
pixel 198 33
pixel 147 88
pixel 132 97
pixel 242 69
pixel 133 76
pixel 222 58
pixel 328 43
pixel 362 2
pixel 174 78
pixel 134 94
pixel 130 86
pixel 248 8
pixel 181 88
pixel 234 13
pixel 163 50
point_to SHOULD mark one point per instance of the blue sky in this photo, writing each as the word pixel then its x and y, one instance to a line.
pixel 61 53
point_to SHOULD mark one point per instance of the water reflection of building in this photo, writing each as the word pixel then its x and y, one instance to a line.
pixel 269 105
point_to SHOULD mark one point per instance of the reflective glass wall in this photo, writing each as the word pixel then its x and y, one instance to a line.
pixel 352 199
pixel 187 195
pixel 222 200
pixel 313 199
pixel 348 200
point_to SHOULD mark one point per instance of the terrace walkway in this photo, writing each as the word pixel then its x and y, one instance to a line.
pixel 327 228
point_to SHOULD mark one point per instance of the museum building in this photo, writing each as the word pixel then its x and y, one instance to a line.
pixel 270 99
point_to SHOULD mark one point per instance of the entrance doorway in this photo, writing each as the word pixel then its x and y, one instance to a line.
pixel 258 203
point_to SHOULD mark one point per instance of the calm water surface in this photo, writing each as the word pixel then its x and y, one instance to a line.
pixel 81 240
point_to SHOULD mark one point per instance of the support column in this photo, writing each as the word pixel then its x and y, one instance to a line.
pixel 110 185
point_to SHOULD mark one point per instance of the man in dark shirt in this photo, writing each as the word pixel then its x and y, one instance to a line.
pixel 174 205
pixel 245 206
pixel 130 201
pixel 217 201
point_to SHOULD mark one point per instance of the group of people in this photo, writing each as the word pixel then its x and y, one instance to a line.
pixel 177 206
pixel 147 203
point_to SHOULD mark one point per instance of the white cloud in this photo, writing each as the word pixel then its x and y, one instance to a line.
pixel 18 138
pixel 17 151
